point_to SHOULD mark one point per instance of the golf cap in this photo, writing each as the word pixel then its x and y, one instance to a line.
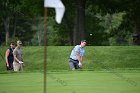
pixel 19 42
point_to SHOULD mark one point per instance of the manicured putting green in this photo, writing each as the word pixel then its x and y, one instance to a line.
pixel 71 82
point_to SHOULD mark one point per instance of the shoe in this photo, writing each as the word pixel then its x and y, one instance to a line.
pixel 73 68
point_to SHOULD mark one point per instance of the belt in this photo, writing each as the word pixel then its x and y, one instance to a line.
pixel 73 59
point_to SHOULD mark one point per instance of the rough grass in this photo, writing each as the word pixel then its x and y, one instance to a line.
pixel 96 58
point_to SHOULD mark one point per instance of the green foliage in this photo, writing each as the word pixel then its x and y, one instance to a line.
pixel 108 22
pixel 53 32
pixel 111 25
pixel 17 16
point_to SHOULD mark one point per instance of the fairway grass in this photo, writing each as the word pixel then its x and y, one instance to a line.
pixel 71 82
pixel 21 83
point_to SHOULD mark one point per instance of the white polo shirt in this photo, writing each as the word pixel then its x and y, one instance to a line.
pixel 76 49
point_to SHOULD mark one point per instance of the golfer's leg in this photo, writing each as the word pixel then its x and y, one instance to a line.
pixel 71 64
pixel 76 65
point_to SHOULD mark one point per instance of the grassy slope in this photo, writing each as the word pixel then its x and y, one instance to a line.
pixel 96 57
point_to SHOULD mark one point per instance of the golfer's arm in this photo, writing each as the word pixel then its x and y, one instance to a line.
pixel 79 57
pixel 6 56
pixel 16 58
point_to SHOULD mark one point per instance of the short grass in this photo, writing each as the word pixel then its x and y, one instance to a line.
pixel 106 69
pixel 70 82
pixel 21 83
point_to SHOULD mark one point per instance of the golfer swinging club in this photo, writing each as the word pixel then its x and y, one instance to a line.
pixel 75 61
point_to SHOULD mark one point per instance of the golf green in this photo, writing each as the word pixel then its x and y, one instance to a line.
pixel 71 82
pixel 21 83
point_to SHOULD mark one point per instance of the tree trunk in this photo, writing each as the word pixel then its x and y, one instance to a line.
pixel 14 24
pixel 39 33
pixel 71 37
pixel 79 27
pixel 39 38
pixel 136 35
pixel 6 27
pixel 136 21
pixel 69 28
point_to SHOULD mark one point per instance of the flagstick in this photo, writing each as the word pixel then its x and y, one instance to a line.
pixel 45 49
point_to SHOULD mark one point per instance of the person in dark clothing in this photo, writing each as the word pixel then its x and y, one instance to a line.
pixel 9 57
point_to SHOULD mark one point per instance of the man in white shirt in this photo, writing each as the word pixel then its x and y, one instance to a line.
pixel 18 60
pixel 76 57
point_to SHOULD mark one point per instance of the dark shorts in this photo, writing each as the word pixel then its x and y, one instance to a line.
pixel 73 63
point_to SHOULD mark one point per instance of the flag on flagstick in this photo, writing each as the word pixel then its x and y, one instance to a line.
pixel 59 8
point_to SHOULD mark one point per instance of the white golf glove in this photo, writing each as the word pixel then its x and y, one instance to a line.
pixel 20 62
pixel 79 64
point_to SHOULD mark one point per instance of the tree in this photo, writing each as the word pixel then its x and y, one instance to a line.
pixel 132 18
pixel 131 7
pixel 8 8
pixel 79 27
pixel 17 17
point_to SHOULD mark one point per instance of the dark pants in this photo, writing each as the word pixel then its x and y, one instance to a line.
pixel 73 64
pixel 10 66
